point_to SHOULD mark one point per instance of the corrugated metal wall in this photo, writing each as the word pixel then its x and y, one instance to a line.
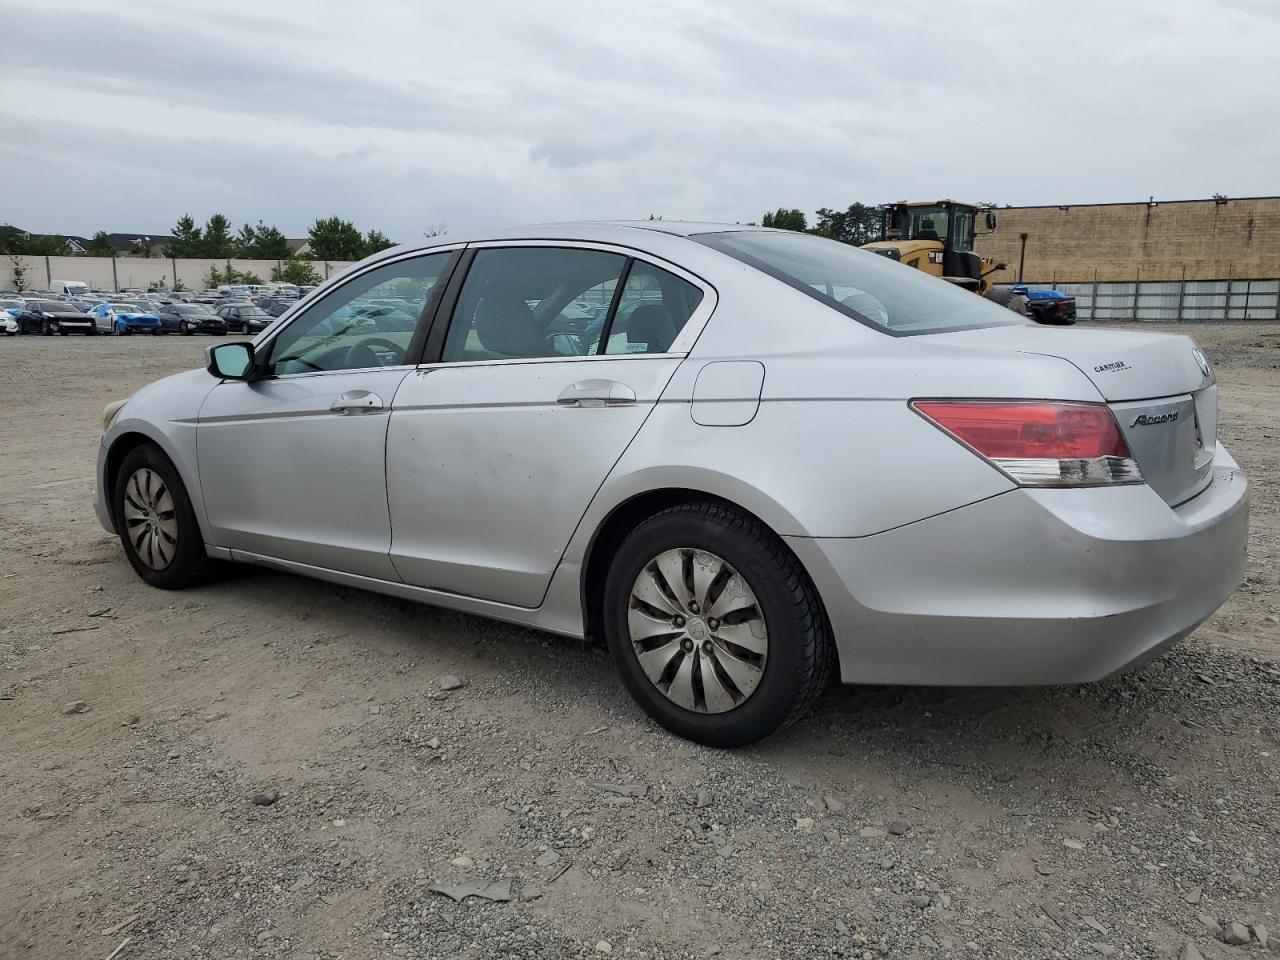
pixel 1173 300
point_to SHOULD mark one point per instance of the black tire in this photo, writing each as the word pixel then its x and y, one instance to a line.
pixel 189 564
pixel 800 653
pixel 186 330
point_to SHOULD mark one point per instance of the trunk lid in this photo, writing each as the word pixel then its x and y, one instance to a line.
pixel 1160 388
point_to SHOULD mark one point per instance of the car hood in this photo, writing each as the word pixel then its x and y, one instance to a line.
pixel 1121 364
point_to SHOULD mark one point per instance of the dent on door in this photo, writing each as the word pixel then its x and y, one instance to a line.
pixel 491 467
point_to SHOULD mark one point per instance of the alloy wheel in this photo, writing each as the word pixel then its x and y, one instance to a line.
pixel 697 630
pixel 151 521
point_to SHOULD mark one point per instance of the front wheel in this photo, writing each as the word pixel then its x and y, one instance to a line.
pixel 715 627
pixel 186 330
pixel 156 523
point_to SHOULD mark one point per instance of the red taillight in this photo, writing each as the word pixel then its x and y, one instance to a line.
pixel 1039 443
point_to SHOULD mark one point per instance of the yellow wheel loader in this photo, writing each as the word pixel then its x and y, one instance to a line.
pixel 936 236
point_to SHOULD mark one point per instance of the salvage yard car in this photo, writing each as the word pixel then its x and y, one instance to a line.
pixel 244 317
pixel 54 316
pixel 778 456
pixel 191 318
pixel 123 319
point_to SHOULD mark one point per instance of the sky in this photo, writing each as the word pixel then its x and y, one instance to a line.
pixel 411 116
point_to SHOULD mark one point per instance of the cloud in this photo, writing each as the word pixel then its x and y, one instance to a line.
pixel 396 113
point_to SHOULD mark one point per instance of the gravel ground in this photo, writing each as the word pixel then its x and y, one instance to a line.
pixel 271 766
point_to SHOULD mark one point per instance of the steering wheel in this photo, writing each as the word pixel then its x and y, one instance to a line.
pixel 574 341
pixel 360 353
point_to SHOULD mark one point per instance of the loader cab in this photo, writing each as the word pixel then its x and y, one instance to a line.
pixel 937 237
pixel 952 223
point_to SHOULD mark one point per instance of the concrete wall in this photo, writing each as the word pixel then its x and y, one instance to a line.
pixel 1134 241
pixel 102 273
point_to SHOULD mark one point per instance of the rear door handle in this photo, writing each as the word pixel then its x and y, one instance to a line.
pixel 596 393
pixel 356 401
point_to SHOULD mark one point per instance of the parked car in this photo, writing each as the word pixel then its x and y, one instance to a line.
pixel 741 484
pixel 244 317
pixel 123 319
pixel 191 318
pixel 1046 305
pixel 9 324
pixel 12 305
pixel 53 316
pixel 276 306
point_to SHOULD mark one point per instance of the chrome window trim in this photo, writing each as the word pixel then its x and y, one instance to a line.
pixel 449 364
pixel 680 347
pixel 304 306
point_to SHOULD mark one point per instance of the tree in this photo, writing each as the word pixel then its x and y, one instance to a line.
pixel 12 240
pixel 299 272
pixel 376 240
pixel 857 225
pixel 51 245
pixel 784 219
pixel 217 238
pixel 187 239
pixel 100 245
pixel 19 273
pixel 262 242
pixel 335 239
pixel 216 277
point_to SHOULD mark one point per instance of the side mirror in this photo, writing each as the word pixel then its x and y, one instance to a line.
pixel 230 361
pixel 991 220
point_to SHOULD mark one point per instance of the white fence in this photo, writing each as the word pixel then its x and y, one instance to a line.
pixel 118 273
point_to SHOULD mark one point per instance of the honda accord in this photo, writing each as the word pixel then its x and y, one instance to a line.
pixel 775 456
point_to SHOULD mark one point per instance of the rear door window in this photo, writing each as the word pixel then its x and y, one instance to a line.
pixel 529 302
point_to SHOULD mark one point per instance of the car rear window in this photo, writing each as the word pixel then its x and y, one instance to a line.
pixel 895 299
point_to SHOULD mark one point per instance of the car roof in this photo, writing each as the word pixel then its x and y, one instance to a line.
pixel 660 237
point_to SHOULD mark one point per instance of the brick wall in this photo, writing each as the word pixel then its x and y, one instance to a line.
pixel 1209 240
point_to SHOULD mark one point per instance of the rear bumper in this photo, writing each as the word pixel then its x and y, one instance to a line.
pixel 1032 586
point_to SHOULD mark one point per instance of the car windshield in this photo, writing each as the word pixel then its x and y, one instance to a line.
pixel 872 289
pixel 187 309
pixel 254 312
pixel 125 307
pixel 47 305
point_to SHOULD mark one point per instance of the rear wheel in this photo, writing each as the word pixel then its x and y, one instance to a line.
pixel 714 626
pixel 156 523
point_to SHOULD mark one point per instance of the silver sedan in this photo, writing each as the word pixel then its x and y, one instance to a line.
pixel 744 458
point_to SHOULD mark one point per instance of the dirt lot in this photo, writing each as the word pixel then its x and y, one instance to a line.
pixel 1120 819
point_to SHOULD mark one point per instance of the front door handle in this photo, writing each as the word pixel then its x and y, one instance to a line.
pixel 596 393
pixel 356 401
